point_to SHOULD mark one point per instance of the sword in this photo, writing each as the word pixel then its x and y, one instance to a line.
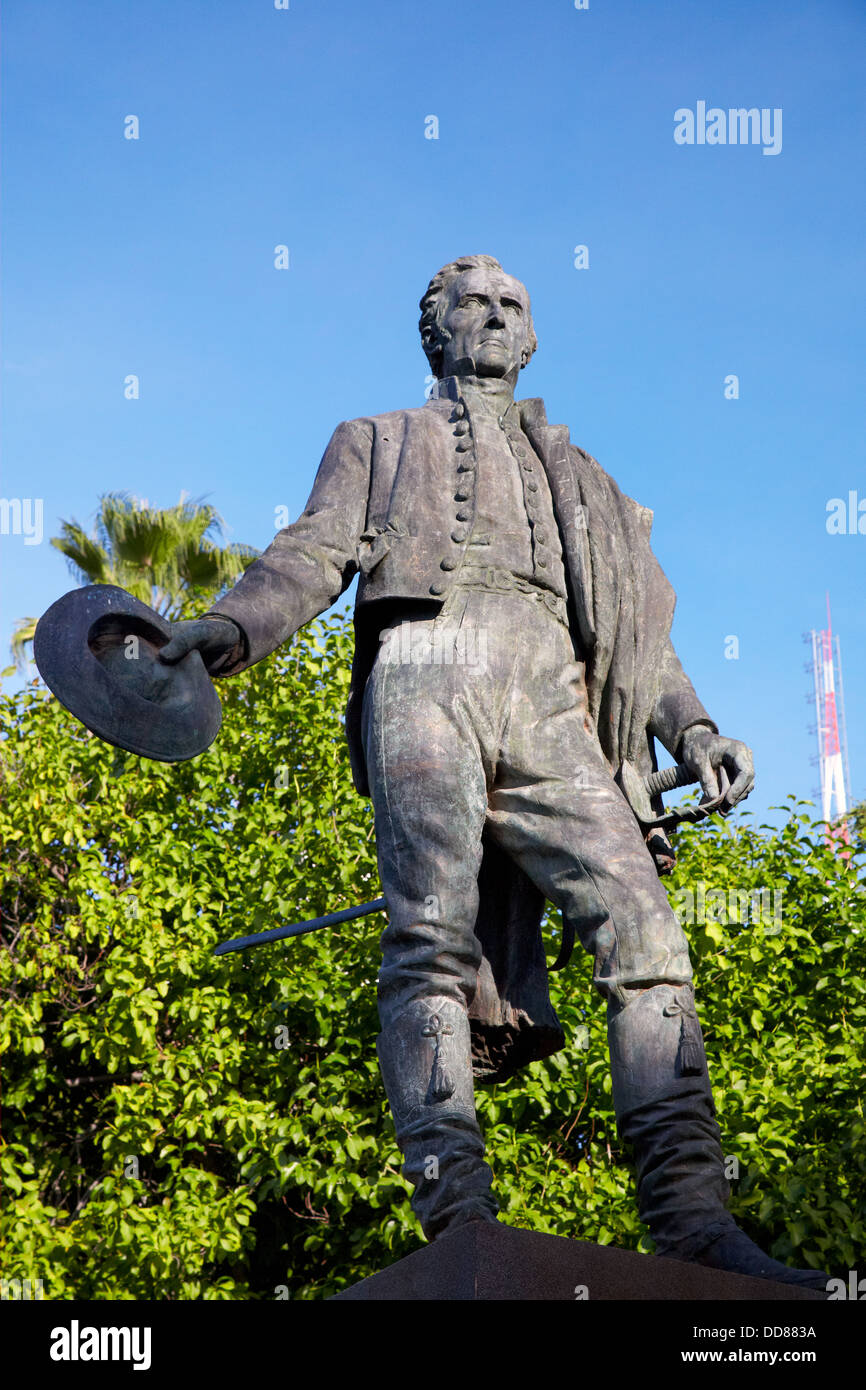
pixel 636 789
pixel 331 919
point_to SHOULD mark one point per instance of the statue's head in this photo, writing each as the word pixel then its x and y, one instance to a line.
pixel 476 320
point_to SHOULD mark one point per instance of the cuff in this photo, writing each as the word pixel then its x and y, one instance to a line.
pixel 231 661
pixel 675 712
pixel 706 723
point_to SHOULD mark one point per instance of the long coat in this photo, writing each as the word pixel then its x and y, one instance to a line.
pixel 382 507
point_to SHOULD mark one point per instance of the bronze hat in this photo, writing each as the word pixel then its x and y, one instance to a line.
pixel 96 649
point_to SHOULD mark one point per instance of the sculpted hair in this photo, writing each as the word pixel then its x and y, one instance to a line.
pixel 433 304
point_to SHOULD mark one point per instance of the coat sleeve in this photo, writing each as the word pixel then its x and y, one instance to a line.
pixel 309 564
pixel 677 706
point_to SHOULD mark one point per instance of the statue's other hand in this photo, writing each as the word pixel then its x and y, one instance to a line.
pixel 703 752
pixel 213 637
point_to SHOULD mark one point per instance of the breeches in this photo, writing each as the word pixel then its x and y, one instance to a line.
pixel 477 720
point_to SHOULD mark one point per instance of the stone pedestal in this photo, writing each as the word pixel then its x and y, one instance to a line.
pixel 488 1261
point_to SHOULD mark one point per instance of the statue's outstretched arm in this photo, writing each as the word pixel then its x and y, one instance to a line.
pixel 303 571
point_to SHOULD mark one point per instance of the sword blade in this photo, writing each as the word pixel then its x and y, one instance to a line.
pixel 331 919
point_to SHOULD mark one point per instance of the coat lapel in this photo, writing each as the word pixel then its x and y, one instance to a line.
pixel 552 444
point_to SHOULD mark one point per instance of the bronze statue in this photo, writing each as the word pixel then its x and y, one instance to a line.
pixel 513 652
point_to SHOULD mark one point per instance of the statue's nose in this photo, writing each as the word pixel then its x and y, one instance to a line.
pixel 496 318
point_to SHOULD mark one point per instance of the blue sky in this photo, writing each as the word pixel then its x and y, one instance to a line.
pixel 306 127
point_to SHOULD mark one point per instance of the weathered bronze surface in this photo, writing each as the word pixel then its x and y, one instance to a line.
pixel 513 651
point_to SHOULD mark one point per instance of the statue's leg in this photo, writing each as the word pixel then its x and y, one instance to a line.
pixel 665 1111
pixel 660 1075
pixel 426 766
pixel 426 1065
pixel 557 811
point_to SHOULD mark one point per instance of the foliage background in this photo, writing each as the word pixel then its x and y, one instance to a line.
pixel 266 1171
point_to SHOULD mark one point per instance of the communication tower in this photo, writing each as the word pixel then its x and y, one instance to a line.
pixel 829 699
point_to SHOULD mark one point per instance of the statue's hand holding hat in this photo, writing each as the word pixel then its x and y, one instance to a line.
pixel 215 637
pixel 135 679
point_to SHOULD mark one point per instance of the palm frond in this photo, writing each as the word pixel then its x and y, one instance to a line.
pixel 169 557
pixel 22 641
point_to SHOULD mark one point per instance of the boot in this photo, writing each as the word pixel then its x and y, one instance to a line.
pixel 664 1108
pixel 426 1064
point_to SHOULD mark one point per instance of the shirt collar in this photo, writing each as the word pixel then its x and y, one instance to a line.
pixel 487 392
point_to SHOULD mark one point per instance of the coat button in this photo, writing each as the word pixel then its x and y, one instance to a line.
pixel 466 466
pixel 464 514
pixel 464 445
pixel 459 410
pixel 533 487
pixel 447 564
pixel 461 427
pixel 541 562
pixel 458 536
pixel 437 588
pixel 462 495
pixel 540 535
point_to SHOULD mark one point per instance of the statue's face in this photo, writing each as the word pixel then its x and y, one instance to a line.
pixel 487 318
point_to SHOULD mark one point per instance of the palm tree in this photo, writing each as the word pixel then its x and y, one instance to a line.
pixel 167 557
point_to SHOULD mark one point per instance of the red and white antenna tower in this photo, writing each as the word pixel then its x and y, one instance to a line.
pixel 832 736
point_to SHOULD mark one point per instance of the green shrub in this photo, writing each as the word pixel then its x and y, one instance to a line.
pixel 184 1126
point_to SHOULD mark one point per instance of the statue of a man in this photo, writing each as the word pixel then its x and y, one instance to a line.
pixel 512 650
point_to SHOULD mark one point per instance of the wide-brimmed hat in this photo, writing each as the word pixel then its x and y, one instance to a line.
pixel 96 649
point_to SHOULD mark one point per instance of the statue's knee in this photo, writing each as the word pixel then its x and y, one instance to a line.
pixel 425 1057
pixel 424 959
pixel 655 1042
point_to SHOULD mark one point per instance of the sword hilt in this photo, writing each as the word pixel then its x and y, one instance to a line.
pixel 668 778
